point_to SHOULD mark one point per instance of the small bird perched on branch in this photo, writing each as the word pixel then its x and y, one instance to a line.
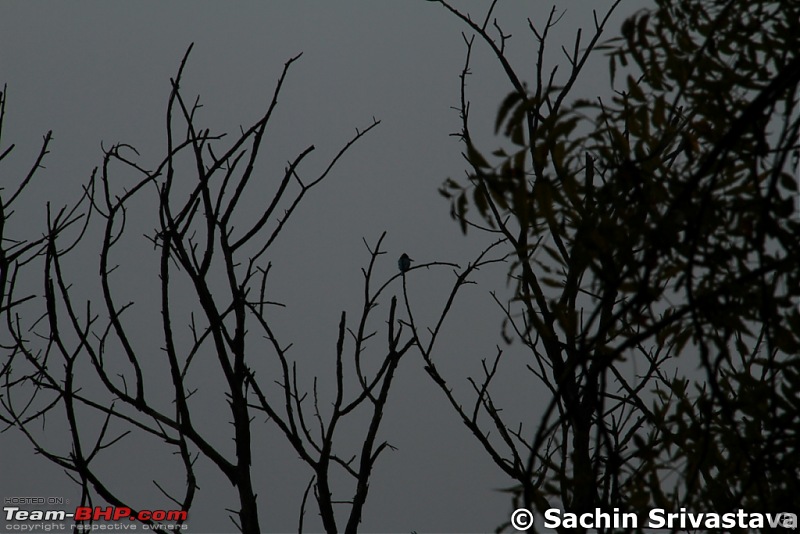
pixel 404 263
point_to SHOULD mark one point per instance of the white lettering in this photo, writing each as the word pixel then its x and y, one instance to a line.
pixel 728 520
pixel 756 521
pixel 552 519
pixel 656 518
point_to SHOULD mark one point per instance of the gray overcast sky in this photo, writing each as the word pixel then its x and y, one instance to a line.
pixel 98 72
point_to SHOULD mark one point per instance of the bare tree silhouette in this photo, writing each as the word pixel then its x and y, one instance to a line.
pixel 213 268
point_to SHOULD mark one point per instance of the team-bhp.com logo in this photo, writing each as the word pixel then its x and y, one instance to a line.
pixel 87 513
pixel 658 518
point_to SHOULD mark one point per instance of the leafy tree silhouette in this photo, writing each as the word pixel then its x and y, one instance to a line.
pixel 654 231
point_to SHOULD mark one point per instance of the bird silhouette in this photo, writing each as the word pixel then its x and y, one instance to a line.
pixel 404 263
